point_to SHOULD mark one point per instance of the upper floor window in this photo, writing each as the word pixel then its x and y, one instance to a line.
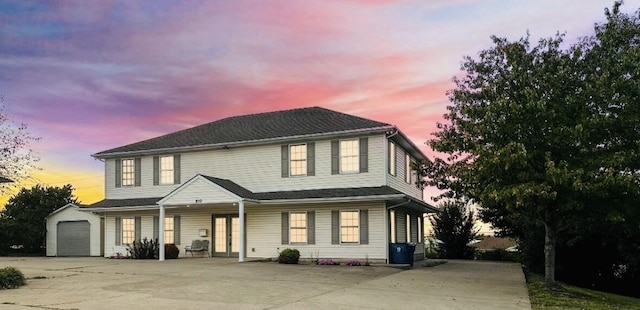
pixel 392 158
pixel 349 156
pixel 298 227
pixel 128 230
pixel 166 170
pixel 298 159
pixel 349 226
pixel 128 172
pixel 407 169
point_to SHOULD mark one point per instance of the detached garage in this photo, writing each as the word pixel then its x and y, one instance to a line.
pixel 72 232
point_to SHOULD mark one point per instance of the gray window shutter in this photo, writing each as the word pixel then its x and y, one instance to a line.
pixel 138 225
pixel 138 168
pixel 364 154
pixel 176 169
pixel 156 235
pixel 285 161
pixel 311 227
pixel 335 157
pixel 335 227
pixel 311 159
pixel 156 170
pixel 364 226
pixel 285 227
pixel 176 229
pixel 118 231
pixel 118 173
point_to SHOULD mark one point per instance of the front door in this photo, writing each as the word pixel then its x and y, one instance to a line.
pixel 226 235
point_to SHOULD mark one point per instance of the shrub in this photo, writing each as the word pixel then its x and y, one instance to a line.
pixel 353 263
pixel 145 249
pixel 289 256
pixel 499 255
pixel 171 251
pixel 11 277
pixel 328 262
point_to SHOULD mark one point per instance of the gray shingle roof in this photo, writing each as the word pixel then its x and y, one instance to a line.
pixel 133 202
pixel 255 127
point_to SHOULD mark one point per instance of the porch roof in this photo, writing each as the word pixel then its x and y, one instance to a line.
pixel 385 193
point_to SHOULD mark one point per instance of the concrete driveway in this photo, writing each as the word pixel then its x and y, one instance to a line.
pixel 192 283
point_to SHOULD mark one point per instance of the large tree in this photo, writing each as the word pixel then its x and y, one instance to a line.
pixel 23 219
pixel 17 158
pixel 536 134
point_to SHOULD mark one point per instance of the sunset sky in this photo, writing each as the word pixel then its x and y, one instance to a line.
pixel 91 75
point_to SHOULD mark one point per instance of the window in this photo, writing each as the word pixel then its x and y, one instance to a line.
pixel 166 170
pixel 419 229
pixel 408 228
pixel 392 158
pixel 128 230
pixel 298 160
pixel 128 172
pixel 168 230
pixel 407 169
pixel 349 156
pixel 349 226
pixel 392 219
pixel 298 227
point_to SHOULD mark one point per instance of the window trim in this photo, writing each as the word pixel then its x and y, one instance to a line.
pixel 357 234
pixel 291 160
pixel 392 229
pixel 123 172
pixel 122 230
pixel 305 228
pixel 160 170
pixel 357 156
pixel 393 165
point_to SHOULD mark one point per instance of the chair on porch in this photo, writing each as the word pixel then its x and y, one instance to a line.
pixel 197 246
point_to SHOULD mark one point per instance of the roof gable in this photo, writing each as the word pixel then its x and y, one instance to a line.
pixel 255 127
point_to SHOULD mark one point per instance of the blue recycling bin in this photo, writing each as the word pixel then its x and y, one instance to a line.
pixel 401 253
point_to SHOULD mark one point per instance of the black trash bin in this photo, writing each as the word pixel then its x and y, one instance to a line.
pixel 399 253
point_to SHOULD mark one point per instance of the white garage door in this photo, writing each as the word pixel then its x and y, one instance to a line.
pixel 74 238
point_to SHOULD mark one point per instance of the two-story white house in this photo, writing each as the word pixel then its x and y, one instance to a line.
pixel 329 184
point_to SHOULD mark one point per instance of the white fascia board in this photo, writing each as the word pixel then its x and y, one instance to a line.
pixel 62 208
pixel 241 143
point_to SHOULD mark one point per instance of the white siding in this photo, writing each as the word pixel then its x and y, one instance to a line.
pixel 264 230
pixel 71 213
pixel 201 190
pixel 398 181
pixel 257 168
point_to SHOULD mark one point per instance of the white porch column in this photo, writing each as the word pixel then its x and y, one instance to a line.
pixel 161 234
pixel 241 252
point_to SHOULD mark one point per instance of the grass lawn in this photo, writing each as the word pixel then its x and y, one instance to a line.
pixel 572 297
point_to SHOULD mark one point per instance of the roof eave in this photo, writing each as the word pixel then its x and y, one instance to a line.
pixel 102 155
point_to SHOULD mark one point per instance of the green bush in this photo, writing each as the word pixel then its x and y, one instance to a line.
pixel 498 255
pixel 171 251
pixel 11 277
pixel 145 249
pixel 289 256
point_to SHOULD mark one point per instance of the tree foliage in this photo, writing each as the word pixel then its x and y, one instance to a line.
pixel 17 158
pixel 547 139
pixel 454 225
pixel 22 222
